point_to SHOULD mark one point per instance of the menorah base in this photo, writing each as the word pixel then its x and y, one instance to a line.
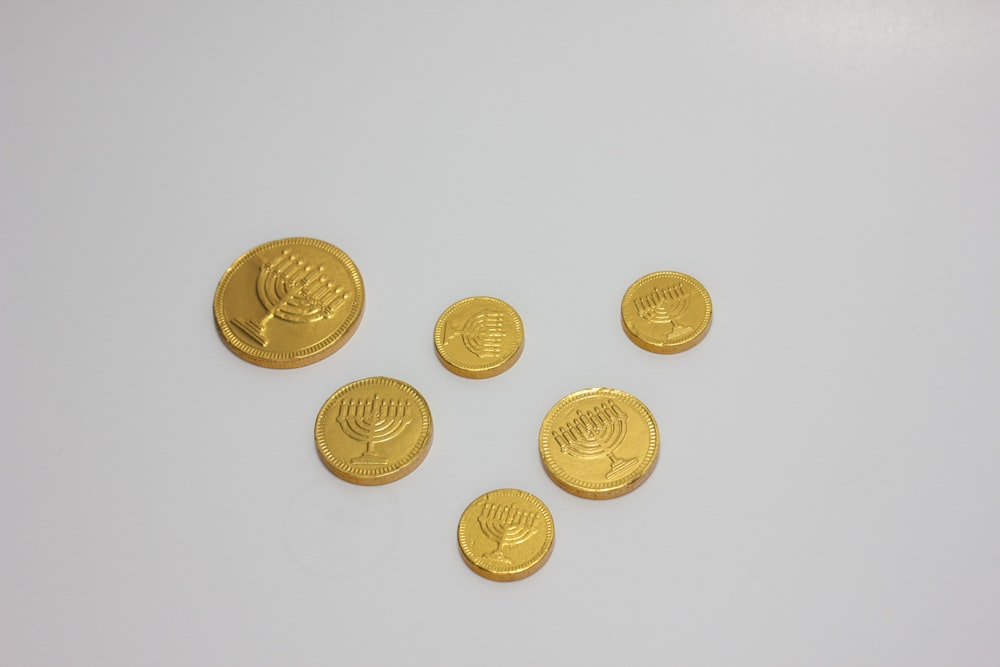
pixel 619 466
pixel 680 331
pixel 369 459
pixel 253 330
pixel 497 556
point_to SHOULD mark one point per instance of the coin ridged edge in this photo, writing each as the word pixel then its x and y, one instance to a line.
pixel 386 474
pixel 606 490
pixel 487 370
pixel 517 573
pixel 679 347
pixel 313 353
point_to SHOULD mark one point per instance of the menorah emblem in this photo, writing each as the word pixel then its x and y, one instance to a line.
pixel 664 306
pixel 481 334
pixel 293 291
pixel 508 526
pixel 594 433
pixel 373 421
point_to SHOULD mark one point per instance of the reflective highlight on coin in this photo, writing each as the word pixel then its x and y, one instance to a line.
pixel 506 534
pixel 373 431
pixel 289 303
pixel 666 312
pixel 479 337
pixel 599 443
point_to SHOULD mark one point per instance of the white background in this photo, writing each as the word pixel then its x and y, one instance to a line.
pixel 827 490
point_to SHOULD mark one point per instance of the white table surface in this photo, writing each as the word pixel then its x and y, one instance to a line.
pixel 827 491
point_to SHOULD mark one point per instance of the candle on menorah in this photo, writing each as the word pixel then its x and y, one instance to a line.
pixel 664 305
pixel 293 291
pixel 594 433
pixel 373 421
pixel 507 525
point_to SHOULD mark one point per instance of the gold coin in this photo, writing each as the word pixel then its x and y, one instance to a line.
pixel 373 431
pixel 666 312
pixel 599 443
pixel 506 534
pixel 289 303
pixel 479 337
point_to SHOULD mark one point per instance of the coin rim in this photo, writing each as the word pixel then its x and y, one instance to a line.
pixel 488 370
pixel 316 351
pixel 405 466
pixel 668 348
pixel 583 488
pixel 520 572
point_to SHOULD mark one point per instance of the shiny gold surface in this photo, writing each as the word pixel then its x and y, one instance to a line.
pixel 289 303
pixel 599 443
pixel 666 312
pixel 479 337
pixel 373 431
pixel 506 534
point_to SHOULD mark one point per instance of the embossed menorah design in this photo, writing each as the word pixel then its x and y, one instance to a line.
pixel 594 433
pixel 293 291
pixel 373 421
pixel 481 334
pixel 508 526
pixel 663 306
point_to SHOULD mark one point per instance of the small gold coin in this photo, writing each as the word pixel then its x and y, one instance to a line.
pixel 289 303
pixel 373 431
pixel 479 337
pixel 506 534
pixel 666 312
pixel 599 443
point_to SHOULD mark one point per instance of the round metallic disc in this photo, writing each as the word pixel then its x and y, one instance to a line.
pixel 289 303
pixel 506 534
pixel 479 337
pixel 373 431
pixel 666 312
pixel 599 443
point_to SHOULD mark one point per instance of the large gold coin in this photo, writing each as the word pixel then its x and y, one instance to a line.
pixel 599 443
pixel 373 431
pixel 666 312
pixel 479 337
pixel 506 534
pixel 289 303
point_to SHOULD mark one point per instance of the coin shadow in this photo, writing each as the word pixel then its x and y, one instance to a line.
pixel 335 533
